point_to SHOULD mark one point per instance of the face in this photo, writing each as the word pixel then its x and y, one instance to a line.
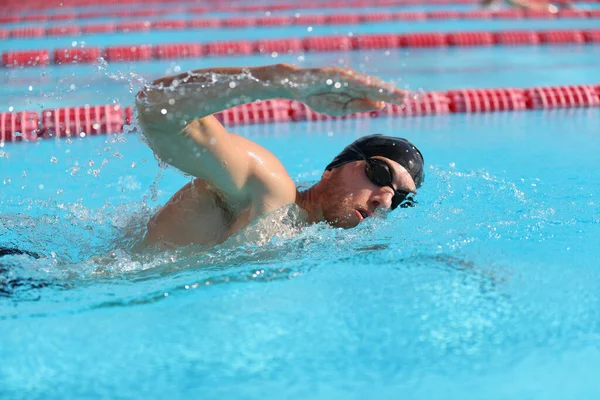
pixel 349 196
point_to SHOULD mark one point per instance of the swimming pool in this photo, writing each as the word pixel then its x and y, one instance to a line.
pixel 488 289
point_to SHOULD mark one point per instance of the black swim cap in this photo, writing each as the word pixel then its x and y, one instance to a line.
pixel 398 149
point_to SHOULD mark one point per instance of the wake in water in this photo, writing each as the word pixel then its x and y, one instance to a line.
pixel 99 248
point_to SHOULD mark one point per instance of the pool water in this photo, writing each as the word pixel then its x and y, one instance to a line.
pixel 488 289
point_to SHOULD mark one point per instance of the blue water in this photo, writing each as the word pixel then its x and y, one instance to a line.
pixel 488 289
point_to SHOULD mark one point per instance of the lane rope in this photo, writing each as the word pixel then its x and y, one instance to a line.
pixel 274 47
pixel 272 21
pixel 89 120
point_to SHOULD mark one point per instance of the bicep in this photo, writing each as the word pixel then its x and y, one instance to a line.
pixel 204 149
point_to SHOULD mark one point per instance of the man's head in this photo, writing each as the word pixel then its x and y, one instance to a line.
pixel 373 173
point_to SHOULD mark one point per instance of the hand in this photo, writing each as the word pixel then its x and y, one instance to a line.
pixel 338 91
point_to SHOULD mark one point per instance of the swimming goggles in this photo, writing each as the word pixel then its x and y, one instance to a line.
pixel 378 172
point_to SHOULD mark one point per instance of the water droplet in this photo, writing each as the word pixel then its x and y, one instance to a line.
pixel 41 186
pixel 53 160
pixel 232 85
pixel 337 85
pixel 163 111
pixel 10 108
pixel 310 28
pixel 329 82
pixel 7 181
pixel 30 88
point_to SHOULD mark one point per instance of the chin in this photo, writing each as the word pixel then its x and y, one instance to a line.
pixel 346 221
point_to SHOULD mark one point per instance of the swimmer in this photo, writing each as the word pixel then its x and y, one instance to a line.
pixel 539 5
pixel 237 181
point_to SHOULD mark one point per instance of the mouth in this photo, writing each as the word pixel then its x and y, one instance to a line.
pixel 361 214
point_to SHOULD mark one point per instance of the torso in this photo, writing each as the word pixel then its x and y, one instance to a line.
pixel 199 214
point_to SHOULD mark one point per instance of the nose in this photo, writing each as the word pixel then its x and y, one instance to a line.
pixel 381 199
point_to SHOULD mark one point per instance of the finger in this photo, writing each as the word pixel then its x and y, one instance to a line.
pixel 376 89
pixel 363 105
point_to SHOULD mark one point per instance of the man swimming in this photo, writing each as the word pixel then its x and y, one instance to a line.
pixel 237 181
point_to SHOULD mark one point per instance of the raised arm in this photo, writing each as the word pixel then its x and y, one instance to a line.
pixel 175 114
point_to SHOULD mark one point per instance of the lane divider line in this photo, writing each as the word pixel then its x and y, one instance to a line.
pixel 271 21
pixel 83 121
pixel 146 52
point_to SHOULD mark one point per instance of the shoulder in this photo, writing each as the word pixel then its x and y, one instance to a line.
pixel 269 180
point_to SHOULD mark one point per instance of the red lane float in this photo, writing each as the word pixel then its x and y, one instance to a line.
pixel 327 43
pixel 274 21
pixel 229 48
pixel 423 40
pixel 443 15
pixel 410 16
pixel 509 14
pixel 34 18
pixel 71 16
pixel 517 38
pixel 93 14
pixel 69 30
pixel 177 51
pixel 169 25
pixel 81 121
pixel 367 42
pixel 4 33
pixel 572 13
pixel 139 26
pixel 198 10
pixel 310 20
pixel 75 55
pixel 99 28
pixel 28 58
pixel 18 126
pixel 144 13
pixel 471 39
pixel 533 14
pixel 486 100
pixel 128 53
pixel 239 22
pixel 28 32
pixel 9 19
pixel 562 97
pixel 477 14
pixel 342 19
pixel 377 17
pixel 264 112
pixel 204 23
pixel 281 46
pixel 592 36
pixel 562 37
pixel 429 103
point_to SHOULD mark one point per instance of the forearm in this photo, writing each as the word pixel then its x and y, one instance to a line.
pixel 203 92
